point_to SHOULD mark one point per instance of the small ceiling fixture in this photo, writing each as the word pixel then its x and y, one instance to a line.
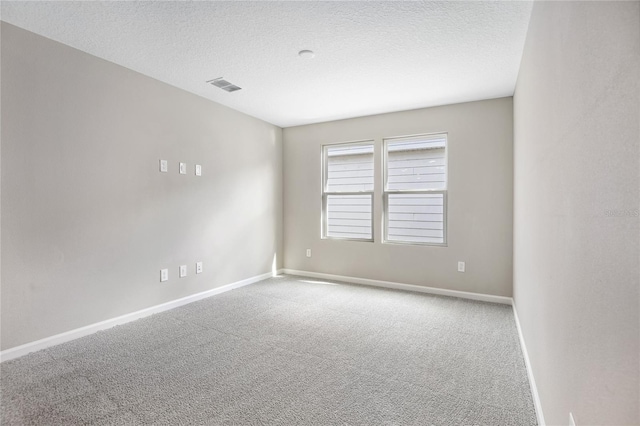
pixel 224 84
pixel 308 54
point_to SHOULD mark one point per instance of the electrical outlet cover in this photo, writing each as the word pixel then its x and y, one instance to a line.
pixel 164 275
pixel 198 170
pixel 183 168
pixel 198 267
pixel 183 271
pixel 164 166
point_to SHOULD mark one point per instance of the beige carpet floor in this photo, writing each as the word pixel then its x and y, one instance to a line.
pixel 285 351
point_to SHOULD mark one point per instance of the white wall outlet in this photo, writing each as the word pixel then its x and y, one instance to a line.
pixel 572 422
pixel 183 271
pixel 198 170
pixel 164 275
pixel 308 252
pixel 183 168
pixel 461 267
pixel 164 166
pixel 198 267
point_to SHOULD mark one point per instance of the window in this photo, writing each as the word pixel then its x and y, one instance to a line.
pixel 347 191
pixel 415 190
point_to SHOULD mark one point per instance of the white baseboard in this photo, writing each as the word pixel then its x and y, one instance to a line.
pixel 532 380
pixel 408 287
pixel 47 342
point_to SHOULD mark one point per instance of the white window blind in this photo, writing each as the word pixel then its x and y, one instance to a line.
pixel 348 191
pixel 415 190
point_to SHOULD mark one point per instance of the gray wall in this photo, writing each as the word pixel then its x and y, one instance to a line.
pixel 577 158
pixel 88 220
pixel 479 206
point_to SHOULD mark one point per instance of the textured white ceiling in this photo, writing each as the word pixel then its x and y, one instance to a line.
pixel 371 57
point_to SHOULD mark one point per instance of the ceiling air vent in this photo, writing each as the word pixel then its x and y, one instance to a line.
pixel 224 84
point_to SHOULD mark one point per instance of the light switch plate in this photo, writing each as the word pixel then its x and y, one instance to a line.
pixel 198 170
pixel 461 266
pixel 164 166
pixel 183 271
pixel 164 275
pixel 198 267
pixel 183 168
pixel 308 252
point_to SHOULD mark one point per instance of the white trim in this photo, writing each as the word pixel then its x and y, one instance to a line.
pixel 532 380
pixel 47 342
pixel 408 287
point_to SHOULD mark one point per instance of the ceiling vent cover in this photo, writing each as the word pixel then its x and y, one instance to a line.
pixel 224 84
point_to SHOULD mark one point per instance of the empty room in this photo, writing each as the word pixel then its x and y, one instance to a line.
pixel 320 213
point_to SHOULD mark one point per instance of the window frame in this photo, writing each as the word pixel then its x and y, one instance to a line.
pixel 324 228
pixel 386 191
